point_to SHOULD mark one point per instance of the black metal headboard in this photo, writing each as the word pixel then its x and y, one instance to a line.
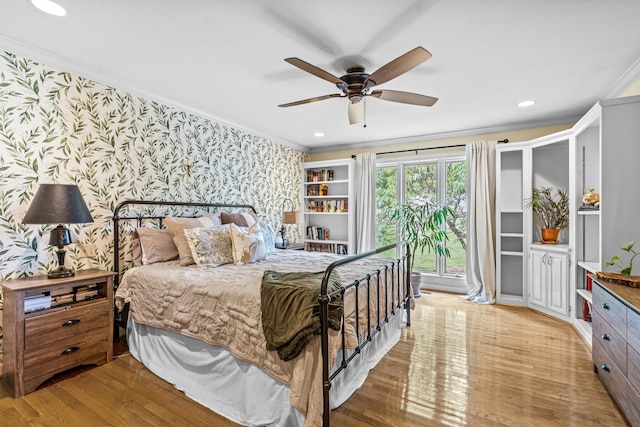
pixel 123 212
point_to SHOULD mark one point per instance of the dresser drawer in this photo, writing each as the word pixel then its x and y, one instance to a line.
pixel 611 341
pixel 626 396
pixel 633 368
pixel 50 327
pixel 633 329
pixel 63 354
pixel 610 309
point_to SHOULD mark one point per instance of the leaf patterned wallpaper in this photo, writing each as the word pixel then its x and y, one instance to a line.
pixel 56 127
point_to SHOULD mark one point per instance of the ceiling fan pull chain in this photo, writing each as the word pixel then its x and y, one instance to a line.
pixel 365 112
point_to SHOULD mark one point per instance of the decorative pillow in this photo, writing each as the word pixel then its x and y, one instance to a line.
pixel 243 219
pixel 177 226
pixel 248 244
pixel 269 237
pixel 210 247
pixel 157 245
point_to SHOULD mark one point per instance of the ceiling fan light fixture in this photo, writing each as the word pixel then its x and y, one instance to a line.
pixel 356 112
pixel 355 99
pixel 50 7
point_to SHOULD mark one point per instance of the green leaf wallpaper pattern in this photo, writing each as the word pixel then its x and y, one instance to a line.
pixel 58 127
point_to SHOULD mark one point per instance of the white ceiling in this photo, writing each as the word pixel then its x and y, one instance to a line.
pixel 223 59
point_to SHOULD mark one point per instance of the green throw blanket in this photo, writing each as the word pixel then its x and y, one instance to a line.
pixel 291 310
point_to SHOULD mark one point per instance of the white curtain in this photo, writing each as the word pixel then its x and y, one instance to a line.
pixel 365 202
pixel 481 189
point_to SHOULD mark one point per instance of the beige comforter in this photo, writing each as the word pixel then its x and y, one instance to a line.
pixel 221 306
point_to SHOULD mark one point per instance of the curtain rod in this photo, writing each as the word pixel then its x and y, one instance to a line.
pixel 502 141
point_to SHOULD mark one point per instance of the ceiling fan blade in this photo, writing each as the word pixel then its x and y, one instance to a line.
pixel 317 98
pixel 404 97
pixel 356 112
pixel 398 66
pixel 312 69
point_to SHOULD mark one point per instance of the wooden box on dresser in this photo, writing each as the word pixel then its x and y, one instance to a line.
pixel 616 344
pixel 40 344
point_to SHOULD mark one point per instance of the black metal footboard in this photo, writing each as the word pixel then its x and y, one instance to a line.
pixel 399 276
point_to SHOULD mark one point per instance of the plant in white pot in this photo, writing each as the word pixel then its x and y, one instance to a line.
pixel 422 226
pixel 552 210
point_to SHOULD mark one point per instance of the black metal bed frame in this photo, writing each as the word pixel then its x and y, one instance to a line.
pixel 394 271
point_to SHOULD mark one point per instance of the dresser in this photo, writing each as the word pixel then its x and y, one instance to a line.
pixel 55 337
pixel 616 344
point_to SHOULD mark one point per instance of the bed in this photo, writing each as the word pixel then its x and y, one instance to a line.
pixel 215 330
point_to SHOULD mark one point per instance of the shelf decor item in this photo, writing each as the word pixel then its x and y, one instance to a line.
pixel 552 210
pixel 61 204
pixel 624 276
pixel 590 200
pixel 421 225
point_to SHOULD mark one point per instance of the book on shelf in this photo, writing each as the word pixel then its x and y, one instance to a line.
pixel 319 175
pixel 336 205
pixel 318 233
pixel 36 302
pixel 334 248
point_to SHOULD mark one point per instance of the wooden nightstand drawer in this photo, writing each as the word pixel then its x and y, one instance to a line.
pixel 611 341
pixel 73 321
pixel 71 351
pixel 610 309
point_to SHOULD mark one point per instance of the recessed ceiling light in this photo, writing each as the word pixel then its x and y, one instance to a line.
pixel 527 103
pixel 318 134
pixel 47 6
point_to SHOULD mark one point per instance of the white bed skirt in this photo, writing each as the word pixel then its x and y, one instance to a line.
pixel 238 390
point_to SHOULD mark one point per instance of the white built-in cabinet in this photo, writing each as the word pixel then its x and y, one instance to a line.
pixel 600 151
pixel 549 278
pixel 328 203
pixel 522 260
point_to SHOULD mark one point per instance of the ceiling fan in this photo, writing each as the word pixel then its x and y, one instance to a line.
pixel 356 83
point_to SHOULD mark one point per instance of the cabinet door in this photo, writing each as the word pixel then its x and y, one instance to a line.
pixel 558 283
pixel 537 274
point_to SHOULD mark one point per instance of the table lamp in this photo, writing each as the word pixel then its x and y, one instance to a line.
pixel 288 217
pixel 61 204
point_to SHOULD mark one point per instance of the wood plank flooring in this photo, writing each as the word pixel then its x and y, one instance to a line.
pixel 459 364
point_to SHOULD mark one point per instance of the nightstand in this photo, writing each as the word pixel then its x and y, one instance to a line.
pixel 292 246
pixel 76 330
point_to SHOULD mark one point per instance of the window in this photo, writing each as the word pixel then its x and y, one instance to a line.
pixel 439 180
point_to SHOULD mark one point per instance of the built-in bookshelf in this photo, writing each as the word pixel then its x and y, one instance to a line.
pixel 328 196
pixel 606 153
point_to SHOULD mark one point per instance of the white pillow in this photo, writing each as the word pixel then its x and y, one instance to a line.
pixel 269 237
pixel 248 244
pixel 211 246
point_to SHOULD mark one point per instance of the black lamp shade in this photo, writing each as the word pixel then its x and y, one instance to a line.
pixel 57 204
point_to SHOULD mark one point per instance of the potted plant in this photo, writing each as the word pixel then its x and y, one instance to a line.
pixel 421 226
pixel 552 210
pixel 624 276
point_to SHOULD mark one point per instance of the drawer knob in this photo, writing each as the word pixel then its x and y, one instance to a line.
pixel 605 368
pixel 606 337
pixel 605 306
pixel 70 350
pixel 71 322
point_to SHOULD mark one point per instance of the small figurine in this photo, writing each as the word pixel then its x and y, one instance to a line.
pixel 591 198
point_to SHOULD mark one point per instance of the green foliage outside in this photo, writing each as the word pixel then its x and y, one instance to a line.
pixel 421 187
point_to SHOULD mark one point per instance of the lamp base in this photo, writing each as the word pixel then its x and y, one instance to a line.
pixel 60 273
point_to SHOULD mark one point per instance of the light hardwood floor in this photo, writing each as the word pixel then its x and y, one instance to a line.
pixel 459 364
